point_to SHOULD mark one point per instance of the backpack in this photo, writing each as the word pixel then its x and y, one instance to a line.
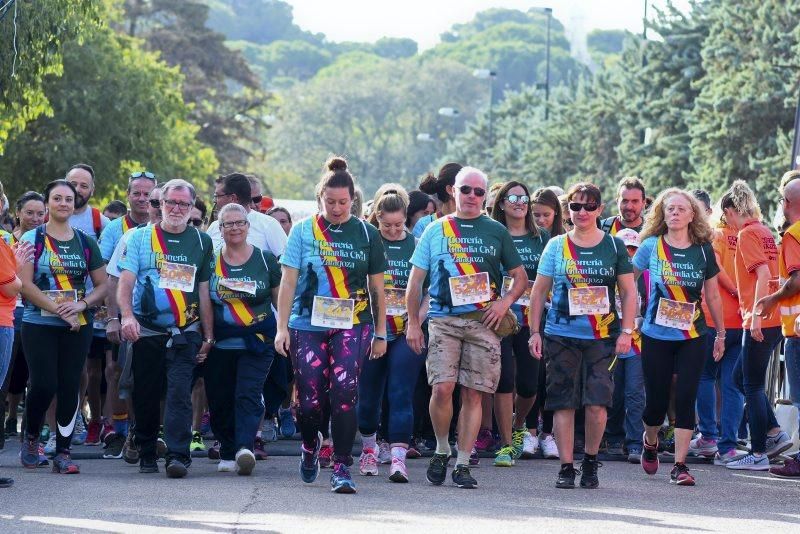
pixel 38 246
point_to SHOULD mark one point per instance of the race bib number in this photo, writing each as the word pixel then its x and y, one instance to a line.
pixel 591 300
pixel 330 312
pixel 525 299
pixel 773 286
pixel 100 317
pixel 674 314
pixel 177 276
pixel 395 301
pixel 239 286
pixel 59 296
pixel 470 289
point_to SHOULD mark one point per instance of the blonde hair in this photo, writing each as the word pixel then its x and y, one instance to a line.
pixel 700 231
pixel 389 198
pixel 742 199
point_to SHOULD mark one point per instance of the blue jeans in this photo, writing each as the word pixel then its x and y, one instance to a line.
pixel 754 362
pixel 397 373
pixel 6 346
pixel 625 415
pixel 791 352
pixel 732 398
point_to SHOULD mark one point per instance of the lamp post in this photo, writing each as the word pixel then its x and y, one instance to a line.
pixel 549 12
pixel 486 74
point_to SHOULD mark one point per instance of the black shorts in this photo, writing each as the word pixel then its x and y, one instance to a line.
pixel 99 347
pixel 518 369
pixel 577 372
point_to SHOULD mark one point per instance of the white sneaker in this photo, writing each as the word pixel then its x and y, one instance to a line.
pixel 50 447
pixel 384 452
pixel 368 463
pixel 549 448
pixel 268 430
pixel 226 466
pixel 750 463
pixel 245 462
pixel 778 443
pixel 530 445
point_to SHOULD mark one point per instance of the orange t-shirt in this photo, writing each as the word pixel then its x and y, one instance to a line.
pixel 8 272
pixel 725 248
pixel 756 247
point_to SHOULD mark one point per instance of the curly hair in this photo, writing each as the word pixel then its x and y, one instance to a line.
pixel 700 231
pixel 742 199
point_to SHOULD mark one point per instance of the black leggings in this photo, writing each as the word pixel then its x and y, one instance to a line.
pixel 55 360
pixel 517 366
pixel 660 360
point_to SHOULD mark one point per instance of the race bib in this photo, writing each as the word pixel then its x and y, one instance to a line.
pixel 525 299
pixel 239 286
pixel 674 314
pixel 59 296
pixel 100 316
pixel 395 301
pixel 470 289
pixel 330 312
pixel 591 300
pixel 773 286
pixel 177 276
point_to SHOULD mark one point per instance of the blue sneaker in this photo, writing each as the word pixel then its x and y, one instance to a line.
pixel 341 481
pixel 309 462
pixel 44 434
pixel 80 432
pixel 29 452
pixel 286 422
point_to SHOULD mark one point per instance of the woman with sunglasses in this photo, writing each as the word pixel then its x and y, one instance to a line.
pixel 676 248
pixel 582 331
pixel 57 322
pixel 519 370
pixel 331 315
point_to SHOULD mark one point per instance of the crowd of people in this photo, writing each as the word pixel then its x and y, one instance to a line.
pixel 456 320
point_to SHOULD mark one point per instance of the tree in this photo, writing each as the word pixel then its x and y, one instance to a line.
pixel 257 21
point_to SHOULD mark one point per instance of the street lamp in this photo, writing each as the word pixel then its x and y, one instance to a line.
pixel 486 74
pixel 448 112
pixel 425 137
pixel 549 12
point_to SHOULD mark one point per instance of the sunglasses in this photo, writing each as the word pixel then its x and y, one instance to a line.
pixel 196 222
pixel 155 203
pixel 143 174
pixel 590 207
pixel 467 189
pixel 517 199
pixel 257 200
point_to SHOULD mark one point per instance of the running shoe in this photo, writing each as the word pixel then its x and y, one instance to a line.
pixel 485 441
pixel 63 464
pixel 130 450
pixel 778 443
pixel 384 452
pixel 649 459
pixel 286 423
pixel 368 463
pixel 589 473
pixel 259 451
pixel 226 466
pixel 341 482
pixel 474 459
pixel 518 441
pixel 566 477
pixel 177 468
pixel 11 427
pixel 43 460
pixel 309 461
pixel 50 446
pixel 634 454
pixel 615 448
pixel 80 433
pixel 107 431
pixel 789 469
pixel 703 447
pixel 93 433
pixel 462 477
pixel 530 445
pixel 44 434
pixel 29 452
pixel 724 458
pixel 245 462
pixel 197 442
pixel 161 445
pixel 326 456
pixel 437 469
pixel 549 447
pixel 205 424
pixel 750 462
pixel 6 482
pixel 398 471
pixel 412 453
pixel 268 431
pixel 113 448
pixel 667 443
pixel 680 476
pixel 148 464
pixel 504 457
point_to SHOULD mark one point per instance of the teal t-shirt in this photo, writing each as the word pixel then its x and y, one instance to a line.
pixel 333 260
pixel 677 276
pixel 454 252
pixel 62 266
pixel 530 248
pixel 584 279
pixel 423 223
pixel 398 257
pixel 168 268
pixel 113 233
pixel 241 294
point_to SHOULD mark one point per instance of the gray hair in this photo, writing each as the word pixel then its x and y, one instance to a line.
pixel 227 208
pixel 466 172
pixel 178 183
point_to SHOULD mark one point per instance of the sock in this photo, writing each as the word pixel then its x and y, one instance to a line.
pixel 463 458
pixel 565 465
pixel 443 445
pixel 399 452
pixel 590 457
pixel 369 442
pixel 121 427
pixel 258 434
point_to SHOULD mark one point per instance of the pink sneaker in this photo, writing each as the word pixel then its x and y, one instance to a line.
pixel 649 457
pixel 485 441
pixel 326 456
pixel 397 471
pixel 368 463
pixel 703 447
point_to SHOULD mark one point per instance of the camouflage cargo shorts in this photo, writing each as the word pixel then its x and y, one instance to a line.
pixel 463 351
pixel 577 372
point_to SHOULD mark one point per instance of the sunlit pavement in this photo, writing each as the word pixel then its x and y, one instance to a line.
pixel 110 495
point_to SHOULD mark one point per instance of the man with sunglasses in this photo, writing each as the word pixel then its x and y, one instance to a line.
pixel 465 255
pixel 631 201
pixel 265 232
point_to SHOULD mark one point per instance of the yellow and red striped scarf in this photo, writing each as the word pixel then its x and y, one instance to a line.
pixel 672 283
pixel 61 279
pixel 177 302
pixel 461 259
pixel 600 323
pixel 240 311
pixel 337 278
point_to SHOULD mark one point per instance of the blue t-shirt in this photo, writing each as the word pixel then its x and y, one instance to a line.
pixel 113 233
pixel 452 248
pixel 423 223
pixel 574 267
pixel 677 275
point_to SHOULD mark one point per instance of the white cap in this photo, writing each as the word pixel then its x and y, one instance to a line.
pixel 629 236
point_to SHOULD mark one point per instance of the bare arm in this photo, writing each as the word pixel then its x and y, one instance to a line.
pixel 378 300
pixel 766 306
pixel 130 326
pixel 711 288
pixel 12 288
pixel 289 276
pixel 762 284
pixel 541 287
pixel 414 336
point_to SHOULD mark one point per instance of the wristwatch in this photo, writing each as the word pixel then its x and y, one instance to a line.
pixel 210 341
pixel 628 331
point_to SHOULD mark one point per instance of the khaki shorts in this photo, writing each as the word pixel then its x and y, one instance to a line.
pixel 463 351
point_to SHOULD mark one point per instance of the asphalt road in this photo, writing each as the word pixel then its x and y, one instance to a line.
pixel 110 495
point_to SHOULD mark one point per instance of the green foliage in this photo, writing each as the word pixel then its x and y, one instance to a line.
pixel 257 21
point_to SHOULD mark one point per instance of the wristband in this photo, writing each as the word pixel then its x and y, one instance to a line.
pixel 536 332
pixel 210 341
pixel 109 319
pixel 378 336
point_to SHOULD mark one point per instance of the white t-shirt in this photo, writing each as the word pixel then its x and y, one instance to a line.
pixel 83 221
pixel 265 233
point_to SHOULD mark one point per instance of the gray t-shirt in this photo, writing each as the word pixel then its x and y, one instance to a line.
pixel 84 221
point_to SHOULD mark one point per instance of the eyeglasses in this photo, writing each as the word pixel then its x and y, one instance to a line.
pixel 143 174
pixel 518 199
pixel 220 195
pixel 182 205
pixel 238 224
pixel 467 189
pixel 155 203
pixel 590 207
pixel 196 222
pixel 257 200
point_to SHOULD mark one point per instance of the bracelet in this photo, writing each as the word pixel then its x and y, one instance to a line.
pixel 84 303
pixel 536 332
pixel 109 319
pixel 378 336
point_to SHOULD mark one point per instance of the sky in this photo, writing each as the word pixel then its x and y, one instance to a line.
pixel 425 20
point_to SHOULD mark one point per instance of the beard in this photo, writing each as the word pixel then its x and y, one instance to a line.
pixel 80 202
